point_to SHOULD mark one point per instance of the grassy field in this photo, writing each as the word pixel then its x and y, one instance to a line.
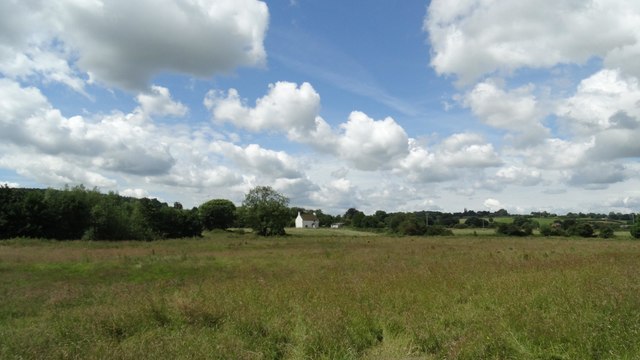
pixel 321 295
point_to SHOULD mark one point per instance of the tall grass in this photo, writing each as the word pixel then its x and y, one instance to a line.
pixel 319 296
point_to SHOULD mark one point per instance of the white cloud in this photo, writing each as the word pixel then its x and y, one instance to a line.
pixel 118 43
pixel 629 203
pixel 10 184
pixel 445 161
pixel 286 108
pixel 515 111
pixel 159 102
pixel 467 151
pixel 273 164
pixel 136 193
pixel 336 196
pixel 502 36
pixel 606 110
pixel 41 144
pixel 27 118
pixel 519 176
pixel 422 166
pixel 555 154
pixel 369 144
pixel 50 64
pixel 492 204
pixel 365 143
pixel 604 100
pixel 53 170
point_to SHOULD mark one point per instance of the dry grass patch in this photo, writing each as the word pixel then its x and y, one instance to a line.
pixel 321 297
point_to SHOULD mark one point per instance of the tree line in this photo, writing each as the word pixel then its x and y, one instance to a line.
pixel 80 213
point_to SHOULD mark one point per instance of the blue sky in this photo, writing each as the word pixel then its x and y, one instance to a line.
pixel 400 106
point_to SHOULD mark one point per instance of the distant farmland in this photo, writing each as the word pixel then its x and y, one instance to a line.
pixel 321 295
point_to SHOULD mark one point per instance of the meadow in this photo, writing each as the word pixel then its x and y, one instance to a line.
pixel 321 294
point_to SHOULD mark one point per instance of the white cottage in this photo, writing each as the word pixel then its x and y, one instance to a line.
pixel 307 221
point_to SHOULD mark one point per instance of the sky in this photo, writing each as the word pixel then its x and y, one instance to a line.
pixel 529 105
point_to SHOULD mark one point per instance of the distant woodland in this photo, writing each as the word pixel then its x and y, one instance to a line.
pixel 81 213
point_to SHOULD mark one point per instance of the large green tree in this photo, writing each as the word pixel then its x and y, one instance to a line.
pixel 217 214
pixel 266 211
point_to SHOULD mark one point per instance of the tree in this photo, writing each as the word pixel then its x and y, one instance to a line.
pixel 501 212
pixel 635 230
pixel 358 219
pixel 266 211
pixel 325 219
pixel 217 214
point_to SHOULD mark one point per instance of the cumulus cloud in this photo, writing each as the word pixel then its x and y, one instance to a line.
pixel 365 143
pixel 40 143
pixel 602 101
pixel 158 102
pixel 56 40
pixel 136 193
pixel 10 184
pixel 337 194
pixel 515 111
pixel 369 144
pixel 519 176
pixel 444 161
pixel 298 190
pixel 631 202
pixel 274 164
pixel 492 204
pixel 468 151
pixel 502 36
pixel 606 110
pixel 27 118
pixel 54 170
pixel 362 142
pixel 555 154
pixel 422 166
pixel 286 108
pixel 598 175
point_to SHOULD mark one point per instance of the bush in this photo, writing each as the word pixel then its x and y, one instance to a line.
pixel 546 230
pixel 606 232
pixel 635 231
pixel 476 222
pixel 513 230
pixel 582 229
pixel 437 230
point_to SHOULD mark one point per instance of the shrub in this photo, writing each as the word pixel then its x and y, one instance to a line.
pixel 437 230
pixel 476 222
pixel 546 230
pixel 513 230
pixel 582 229
pixel 606 232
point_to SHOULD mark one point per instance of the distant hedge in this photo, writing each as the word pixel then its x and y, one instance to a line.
pixel 79 213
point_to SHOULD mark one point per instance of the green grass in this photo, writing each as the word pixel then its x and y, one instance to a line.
pixel 320 294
